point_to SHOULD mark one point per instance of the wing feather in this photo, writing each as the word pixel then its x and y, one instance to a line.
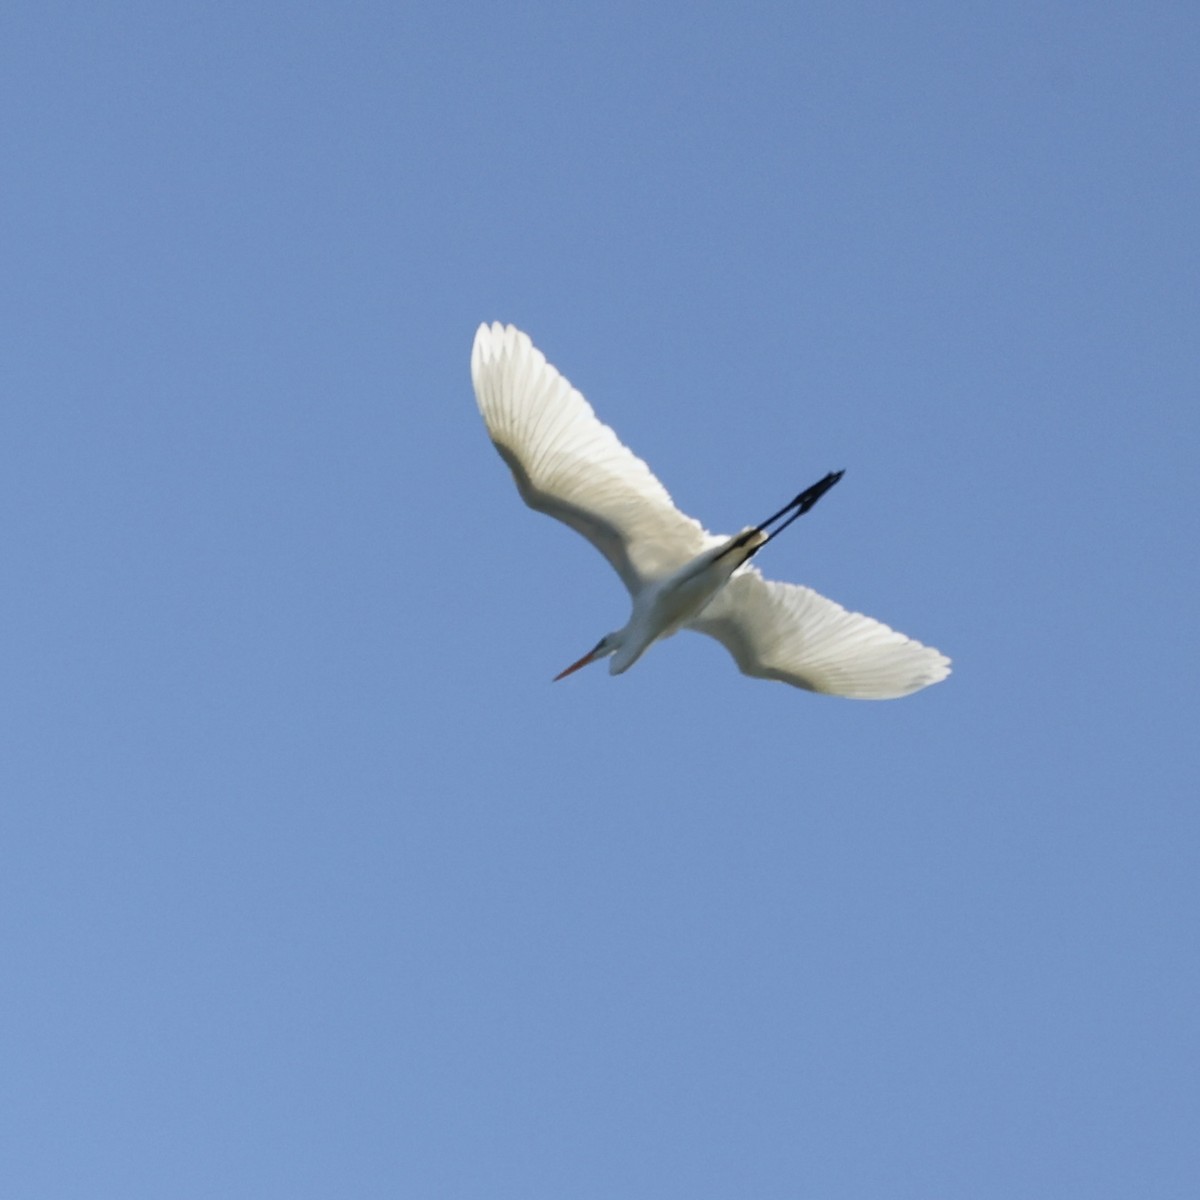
pixel 791 633
pixel 567 463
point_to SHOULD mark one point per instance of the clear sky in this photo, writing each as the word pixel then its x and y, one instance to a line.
pixel 313 885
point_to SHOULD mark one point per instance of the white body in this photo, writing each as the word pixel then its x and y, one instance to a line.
pixel 568 464
pixel 663 608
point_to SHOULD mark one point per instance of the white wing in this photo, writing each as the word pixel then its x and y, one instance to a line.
pixel 568 464
pixel 791 633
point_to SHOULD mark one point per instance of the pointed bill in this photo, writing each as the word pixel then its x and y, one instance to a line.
pixel 590 656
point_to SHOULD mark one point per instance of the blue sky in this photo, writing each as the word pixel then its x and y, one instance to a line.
pixel 312 884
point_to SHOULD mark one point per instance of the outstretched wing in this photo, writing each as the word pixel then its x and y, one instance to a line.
pixel 572 466
pixel 791 633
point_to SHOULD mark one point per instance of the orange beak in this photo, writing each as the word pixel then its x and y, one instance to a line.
pixel 590 656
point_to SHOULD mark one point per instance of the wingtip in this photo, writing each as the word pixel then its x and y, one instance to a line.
pixel 495 339
pixel 485 335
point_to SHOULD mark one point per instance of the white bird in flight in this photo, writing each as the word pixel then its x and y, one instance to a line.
pixel 567 463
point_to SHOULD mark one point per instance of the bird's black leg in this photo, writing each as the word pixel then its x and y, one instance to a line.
pixel 793 509
pixel 800 505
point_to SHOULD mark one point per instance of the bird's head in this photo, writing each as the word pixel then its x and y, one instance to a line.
pixel 610 643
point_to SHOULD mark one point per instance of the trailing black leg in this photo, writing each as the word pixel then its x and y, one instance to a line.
pixel 801 504
pixel 795 508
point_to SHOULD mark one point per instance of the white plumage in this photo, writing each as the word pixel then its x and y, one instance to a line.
pixel 570 465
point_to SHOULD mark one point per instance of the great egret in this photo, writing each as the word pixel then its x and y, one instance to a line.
pixel 568 464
